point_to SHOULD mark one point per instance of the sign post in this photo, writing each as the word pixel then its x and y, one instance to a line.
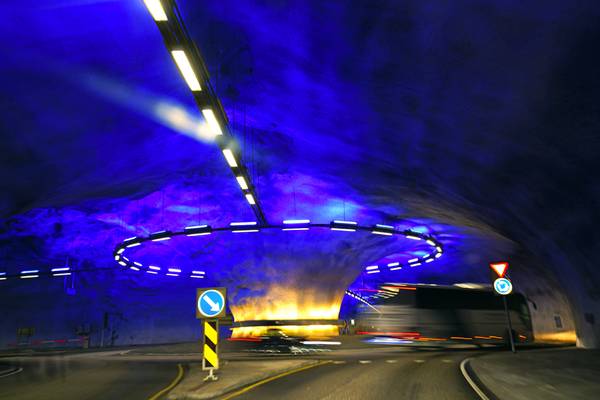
pixel 503 286
pixel 210 306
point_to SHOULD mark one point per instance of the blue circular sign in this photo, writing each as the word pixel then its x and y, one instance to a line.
pixel 503 286
pixel 211 303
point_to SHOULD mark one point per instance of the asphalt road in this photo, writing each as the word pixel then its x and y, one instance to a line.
pixel 423 375
pixel 57 377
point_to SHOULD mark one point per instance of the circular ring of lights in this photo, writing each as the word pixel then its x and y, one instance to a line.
pixel 288 225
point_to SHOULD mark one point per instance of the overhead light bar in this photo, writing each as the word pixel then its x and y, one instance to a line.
pixel 152 272
pixel 2 276
pixel 413 237
pixel 123 263
pixel 412 260
pixel 134 268
pixel 154 267
pixel 296 221
pixel 61 269
pixel 230 158
pixel 395 268
pixel 31 271
pixel 249 223
pixel 138 264
pixel 250 199
pixel 160 236
pixel 121 250
pixel 245 230
pixel 386 230
pixel 415 265
pixel 212 122
pixel 197 276
pixel 371 267
pixel 198 272
pixel 375 271
pixel 439 249
pixel 347 226
pixel 429 260
pixel 438 255
pixel 172 274
pixel 430 242
pixel 186 70
pixel 29 276
pixel 156 10
pixel 174 270
pixel 197 230
pixel 133 244
pixel 242 182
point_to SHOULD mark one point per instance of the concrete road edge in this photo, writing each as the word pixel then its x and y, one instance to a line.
pixel 478 387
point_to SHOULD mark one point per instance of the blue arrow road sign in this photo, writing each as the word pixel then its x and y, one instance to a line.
pixel 503 286
pixel 211 303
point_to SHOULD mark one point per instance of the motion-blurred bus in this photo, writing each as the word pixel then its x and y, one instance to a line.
pixel 443 314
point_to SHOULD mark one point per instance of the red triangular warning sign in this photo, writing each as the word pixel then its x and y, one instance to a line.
pixel 499 268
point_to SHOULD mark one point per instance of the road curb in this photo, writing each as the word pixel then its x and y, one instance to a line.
pixel 473 380
pixel 10 371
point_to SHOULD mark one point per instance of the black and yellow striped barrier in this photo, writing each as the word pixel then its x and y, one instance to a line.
pixel 210 353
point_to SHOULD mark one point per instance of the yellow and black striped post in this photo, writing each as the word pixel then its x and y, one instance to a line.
pixel 210 350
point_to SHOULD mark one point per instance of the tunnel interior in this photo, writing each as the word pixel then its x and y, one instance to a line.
pixel 476 124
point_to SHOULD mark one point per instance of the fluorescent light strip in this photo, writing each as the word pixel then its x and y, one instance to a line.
pixel 2 278
pixel 294 229
pixel 373 272
pixel 245 230
pixel 29 276
pixel 121 250
pixel 172 274
pixel 382 233
pixel 161 239
pixel 345 222
pixel 138 264
pixel 196 227
pixel 413 237
pixel 134 268
pixel 198 272
pixel 250 199
pixel 62 274
pixel 123 263
pixel 296 221
pixel 343 229
pixel 117 257
pixel 438 255
pixel 430 242
pixel 197 277
pixel 393 264
pixel 130 239
pixel 243 223
pixel 212 122
pixel 156 10
pixel 33 271
pixel 242 182
pixel 384 226
pixel 154 267
pixel 439 249
pixel 174 270
pixel 152 272
pixel 198 234
pixel 133 244
pixel 412 260
pixel 395 268
pixel 370 267
pixel 60 269
pixel 429 260
pixel 415 265
pixel 230 158
pixel 2 273
pixel 186 70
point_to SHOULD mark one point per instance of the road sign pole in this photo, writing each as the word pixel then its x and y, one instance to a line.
pixel 509 323
pixel 210 350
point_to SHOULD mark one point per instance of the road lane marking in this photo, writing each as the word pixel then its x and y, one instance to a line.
pixel 267 380
pixel 419 361
pixel 391 361
pixel 445 360
pixel 171 385
pixel 339 362
pixel 364 361
pixel 463 369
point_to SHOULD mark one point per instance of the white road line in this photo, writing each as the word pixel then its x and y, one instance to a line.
pixel 16 371
pixel 445 360
pixel 339 362
pixel 391 361
pixel 470 381
pixel 419 361
pixel 364 361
